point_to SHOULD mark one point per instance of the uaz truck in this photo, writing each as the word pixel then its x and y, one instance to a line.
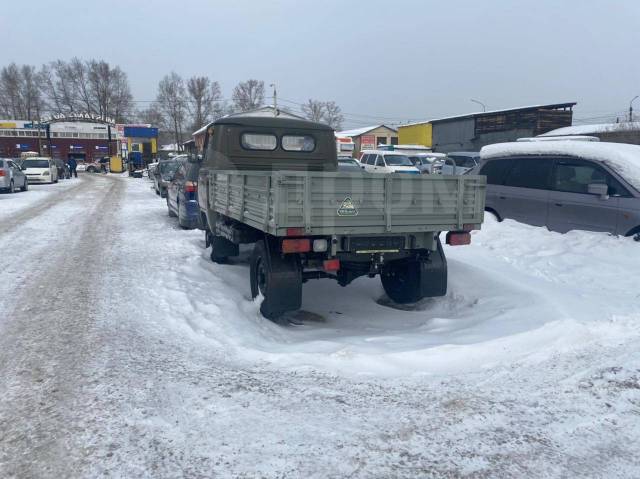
pixel 274 182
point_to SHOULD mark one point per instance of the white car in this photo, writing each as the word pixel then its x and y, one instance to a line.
pixel 381 161
pixel 40 170
pixel 459 163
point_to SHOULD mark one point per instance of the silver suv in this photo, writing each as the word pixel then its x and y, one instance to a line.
pixel 565 185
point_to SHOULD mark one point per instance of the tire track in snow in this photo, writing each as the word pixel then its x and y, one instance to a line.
pixel 50 338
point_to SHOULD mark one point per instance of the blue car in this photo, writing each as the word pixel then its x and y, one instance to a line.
pixel 182 195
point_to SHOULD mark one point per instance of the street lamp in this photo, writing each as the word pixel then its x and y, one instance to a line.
pixel 631 107
pixel 484 107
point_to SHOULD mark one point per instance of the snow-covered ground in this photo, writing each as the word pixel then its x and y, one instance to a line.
pixel 138 357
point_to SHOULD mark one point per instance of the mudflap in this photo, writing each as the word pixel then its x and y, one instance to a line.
pixel 283 282
pixel 433 274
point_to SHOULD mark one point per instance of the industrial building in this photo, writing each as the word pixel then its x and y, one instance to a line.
pixel 473 131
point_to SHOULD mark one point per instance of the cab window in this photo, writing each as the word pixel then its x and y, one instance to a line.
pixel 305 143
pixel 259 141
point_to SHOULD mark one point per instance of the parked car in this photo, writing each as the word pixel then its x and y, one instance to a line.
pixel 164 173
pixel 381 161
pixel 12 176
pixel 100 165
pixel 565 185
pixel 40 170
pixel 348 164
pixel 425 161
pixel 458 162
pixel 182 194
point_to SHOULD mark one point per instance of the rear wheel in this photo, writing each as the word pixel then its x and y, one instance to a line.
pixel 221 248
pixel 409 281
pixel 278 278
pixel 25 186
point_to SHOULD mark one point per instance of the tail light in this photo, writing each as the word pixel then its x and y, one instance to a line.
pixel 302 245
pixel 191 186
pixel 331 265
pixel 458 238
pixel 2 173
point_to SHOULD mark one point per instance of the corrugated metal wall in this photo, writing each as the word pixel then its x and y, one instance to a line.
pixel 416 135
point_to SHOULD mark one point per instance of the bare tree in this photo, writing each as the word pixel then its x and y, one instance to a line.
pixel 10 101
pixel 248 95
pixel 30 93
pixel 205 102
pixel 333 115
pixel 314 110
pixel 171 101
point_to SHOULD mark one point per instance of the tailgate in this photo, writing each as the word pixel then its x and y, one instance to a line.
pixel 352 203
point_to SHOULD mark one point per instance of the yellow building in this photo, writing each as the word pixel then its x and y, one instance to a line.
pixel 416 134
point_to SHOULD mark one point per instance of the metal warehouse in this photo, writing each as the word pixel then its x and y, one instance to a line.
pixel 472 132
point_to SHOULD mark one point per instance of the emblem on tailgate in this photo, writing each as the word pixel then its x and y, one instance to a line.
pixel 347 208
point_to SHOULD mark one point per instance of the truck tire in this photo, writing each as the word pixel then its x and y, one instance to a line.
pixel 278 278
pixel 409 281
pixel 222 248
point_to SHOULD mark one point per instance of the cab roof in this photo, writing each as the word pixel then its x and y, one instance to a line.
pixel 271 122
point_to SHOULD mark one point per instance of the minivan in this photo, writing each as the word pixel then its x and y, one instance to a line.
pixel 593 186
pixel 40 169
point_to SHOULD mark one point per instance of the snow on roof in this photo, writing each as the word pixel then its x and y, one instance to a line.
pixel 592 129
pixel 621 157
pixel 491 112
pixel 362 131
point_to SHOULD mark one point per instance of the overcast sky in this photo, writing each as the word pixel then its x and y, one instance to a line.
pixel 379 60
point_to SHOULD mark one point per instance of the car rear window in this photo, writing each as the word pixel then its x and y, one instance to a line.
pixel 192 171
pixel 496 171
pixel 259 141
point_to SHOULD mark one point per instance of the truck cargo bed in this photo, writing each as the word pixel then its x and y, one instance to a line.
pixel 347 203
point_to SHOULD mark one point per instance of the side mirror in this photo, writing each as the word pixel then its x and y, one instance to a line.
pixel 598 189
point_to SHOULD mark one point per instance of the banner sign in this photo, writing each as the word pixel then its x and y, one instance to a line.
pixel 367 142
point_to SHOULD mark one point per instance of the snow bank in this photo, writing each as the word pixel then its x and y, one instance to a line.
pixel 623 158
pixel 518 293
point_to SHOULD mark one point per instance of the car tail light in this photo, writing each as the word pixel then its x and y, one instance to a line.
pixel 190 186
pixel 302 245
pixel 295 231
pixel 2 173
pixel 458 238
pixel 331 265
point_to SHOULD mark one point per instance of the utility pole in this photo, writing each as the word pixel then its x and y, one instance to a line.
pixel 275 100
pixel 631 107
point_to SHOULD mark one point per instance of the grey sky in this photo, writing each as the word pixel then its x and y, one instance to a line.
pixel 397 59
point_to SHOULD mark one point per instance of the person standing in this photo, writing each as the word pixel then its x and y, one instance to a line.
pixel 73 165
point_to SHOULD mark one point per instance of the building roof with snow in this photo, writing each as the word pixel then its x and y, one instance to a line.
pixel 363 130
pixel 595 129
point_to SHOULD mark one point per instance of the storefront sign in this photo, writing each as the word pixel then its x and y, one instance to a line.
pixel 367 142
pixel 100 147
pixel 76 147
pixel 79 117
pixel 21 146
